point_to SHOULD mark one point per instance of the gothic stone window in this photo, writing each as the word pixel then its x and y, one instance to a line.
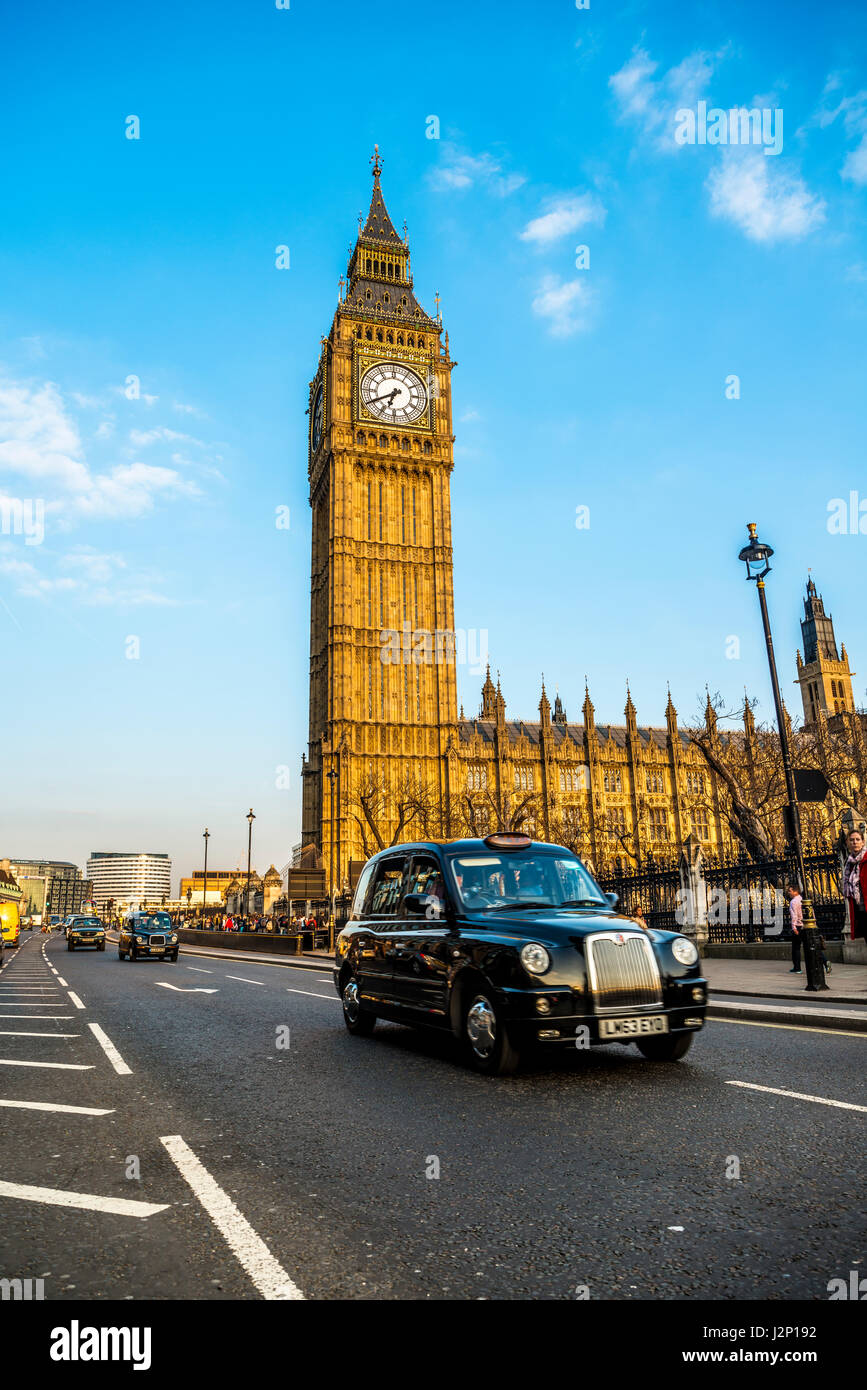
pixel 570 780
pixel 695 783
pixel 477 779
pixel 523 779
pixel 613 781
pixel 698 815
pixel 655 782
pixel 658 823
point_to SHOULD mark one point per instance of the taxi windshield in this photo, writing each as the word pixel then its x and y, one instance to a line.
pixel 159 922
pixel 87 922
pixel 490 880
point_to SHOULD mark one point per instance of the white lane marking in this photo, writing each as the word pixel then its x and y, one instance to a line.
pixel 795 1028
pixel 85 1201
pixel 110 1050
pixel 243 980
pixel 269 1277
pixel 799 1095
pixel 10 1033
pixel 199 971
pixel 30 1004
pixel 311 994
pixel 45 1105
pixel 57 1066
pixel 75 999
pixel 43 1018
pixel 61 981
pixel 179 989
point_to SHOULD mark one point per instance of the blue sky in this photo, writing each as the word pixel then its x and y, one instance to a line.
pixel 602 387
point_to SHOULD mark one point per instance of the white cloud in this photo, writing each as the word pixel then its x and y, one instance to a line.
pixel 565 214
pixel 652 102
pixel 160 434
pixel 41 445
pixel 565 304
pixel 460 170
pixel 185 409
pixel 764 199
pixel 855 163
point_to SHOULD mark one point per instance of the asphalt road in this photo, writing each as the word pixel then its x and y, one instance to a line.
pixel 303 1170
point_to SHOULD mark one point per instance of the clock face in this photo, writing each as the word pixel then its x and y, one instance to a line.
pixel 316 427
pixel 393 393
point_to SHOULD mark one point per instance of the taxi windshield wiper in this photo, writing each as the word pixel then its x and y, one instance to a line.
pixel 507 907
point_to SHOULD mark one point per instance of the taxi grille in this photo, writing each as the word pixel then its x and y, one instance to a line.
pixel 623 976
pixel 156 941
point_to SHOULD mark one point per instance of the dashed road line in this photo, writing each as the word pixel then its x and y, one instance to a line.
pixel 56 1066
pixel 84 1201
pixel 43 1018
pixel 243 980
pixel 110 1050
pixel 269 1277
pixel 11 1033
pixel 799 1095
pixel 54 1107
pixel 311 995
pixel 75 999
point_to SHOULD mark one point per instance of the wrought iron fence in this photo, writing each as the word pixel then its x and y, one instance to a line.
pixel 744 899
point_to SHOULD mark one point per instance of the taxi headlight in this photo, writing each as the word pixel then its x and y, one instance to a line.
pixel 173 939
pixel 535 958
pixel 684 950
pixel 140 940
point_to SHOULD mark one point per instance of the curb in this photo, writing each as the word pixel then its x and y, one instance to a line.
pixel 855 1003
pixel 290 963
pixel 834 1019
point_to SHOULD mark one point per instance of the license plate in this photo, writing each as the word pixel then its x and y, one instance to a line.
pixel 632 1027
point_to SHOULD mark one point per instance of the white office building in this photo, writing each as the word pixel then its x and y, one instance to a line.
pixel 130 879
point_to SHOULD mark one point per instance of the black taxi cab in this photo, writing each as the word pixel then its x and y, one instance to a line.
pixel 509 944
pixel 85 931
pixel 147 934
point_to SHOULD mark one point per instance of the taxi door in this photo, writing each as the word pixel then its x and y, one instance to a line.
pixel 376 942
pixel 420 950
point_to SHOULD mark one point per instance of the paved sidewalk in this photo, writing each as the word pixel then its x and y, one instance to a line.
pixel 771 979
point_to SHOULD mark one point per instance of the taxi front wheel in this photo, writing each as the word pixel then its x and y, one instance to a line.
pixel 358 1021
pixel 667 1048
pixel 487 1042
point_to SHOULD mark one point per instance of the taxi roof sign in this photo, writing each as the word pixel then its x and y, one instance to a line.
pixel 508 839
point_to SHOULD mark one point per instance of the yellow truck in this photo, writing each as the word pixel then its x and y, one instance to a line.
pixel 9 924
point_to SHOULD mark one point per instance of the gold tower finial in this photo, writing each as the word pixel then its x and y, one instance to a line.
pixel 751 527
pixel 376 162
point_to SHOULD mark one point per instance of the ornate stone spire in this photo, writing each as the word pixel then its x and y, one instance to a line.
pixel 629 711
pixel 544 706
pixel 589 712
pixel 489 698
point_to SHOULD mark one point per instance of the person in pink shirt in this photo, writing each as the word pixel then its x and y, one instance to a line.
pixel 796 921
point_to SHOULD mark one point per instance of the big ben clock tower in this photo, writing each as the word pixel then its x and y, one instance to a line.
pixel 383 701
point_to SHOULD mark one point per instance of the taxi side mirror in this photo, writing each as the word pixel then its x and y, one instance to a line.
pixel 613 899
pixel 416 904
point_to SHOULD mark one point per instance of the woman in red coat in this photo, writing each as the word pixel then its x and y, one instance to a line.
pixel 855 883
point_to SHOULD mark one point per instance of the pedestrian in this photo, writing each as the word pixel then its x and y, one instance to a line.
pixel 796 921
pixel 639 917
pixel 855 884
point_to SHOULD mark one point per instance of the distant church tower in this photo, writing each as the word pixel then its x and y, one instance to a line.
pixel 824 677
pixel 380 462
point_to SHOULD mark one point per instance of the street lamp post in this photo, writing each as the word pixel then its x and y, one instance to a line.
pixel 206 837
pixel 756 556
pixel 331 776
pixel 250 819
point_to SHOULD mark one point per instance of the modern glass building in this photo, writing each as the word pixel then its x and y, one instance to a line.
pixel 129 878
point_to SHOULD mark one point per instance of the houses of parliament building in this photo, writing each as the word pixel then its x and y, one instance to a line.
pixel 390 755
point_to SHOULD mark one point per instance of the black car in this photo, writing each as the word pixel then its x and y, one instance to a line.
pixel 511 944
pixel 85 931
pixel 148 934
